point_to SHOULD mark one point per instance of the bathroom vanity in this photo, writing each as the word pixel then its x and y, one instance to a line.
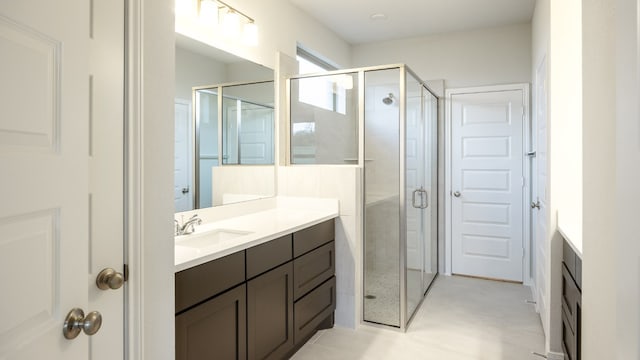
pixel 264 298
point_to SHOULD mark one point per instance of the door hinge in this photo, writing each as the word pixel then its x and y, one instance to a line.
pixel 125 272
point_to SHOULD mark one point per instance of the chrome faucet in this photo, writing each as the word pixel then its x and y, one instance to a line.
pixel 191 223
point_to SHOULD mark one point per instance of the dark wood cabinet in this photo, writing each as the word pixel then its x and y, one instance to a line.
pixel 270 314
pixel 264 302
pixel 571 303
pixel 216 329
pixel 315 310
pixel 312 269
pixel 204 281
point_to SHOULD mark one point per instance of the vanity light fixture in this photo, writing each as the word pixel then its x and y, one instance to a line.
pixel 250 34
pixel 208 12
pixel 233 23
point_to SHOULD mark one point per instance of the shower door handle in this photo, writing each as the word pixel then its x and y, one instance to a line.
pixel 413 199
pixel 425 204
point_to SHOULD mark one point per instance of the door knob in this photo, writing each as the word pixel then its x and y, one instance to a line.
pixel 535 205
pixel 456 194
pixel 76 321
pixel 185 190
pixel 109 279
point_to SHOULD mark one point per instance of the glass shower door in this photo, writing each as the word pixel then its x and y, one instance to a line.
pixel 382 198
pixel 415 197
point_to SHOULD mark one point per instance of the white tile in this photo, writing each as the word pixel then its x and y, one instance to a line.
pixel 461 319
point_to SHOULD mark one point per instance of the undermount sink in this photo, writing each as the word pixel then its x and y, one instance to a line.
pixel 208 238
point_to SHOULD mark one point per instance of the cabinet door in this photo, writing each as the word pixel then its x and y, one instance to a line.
pixel 215 329
pixel 270 314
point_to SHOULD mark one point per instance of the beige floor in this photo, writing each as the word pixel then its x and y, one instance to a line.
pixel 461 319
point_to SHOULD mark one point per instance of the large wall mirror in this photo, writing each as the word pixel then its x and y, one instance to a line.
pixel 224 105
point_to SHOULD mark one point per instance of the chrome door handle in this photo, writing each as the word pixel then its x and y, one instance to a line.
pixel 535 205
pixel 456 194
pixel 109 279
pixel 185 190
pixel 76 321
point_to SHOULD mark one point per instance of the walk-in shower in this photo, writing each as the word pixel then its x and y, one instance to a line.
pixel 383 119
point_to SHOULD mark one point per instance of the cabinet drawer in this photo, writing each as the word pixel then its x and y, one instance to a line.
pixel 313 309
pixel 204 281
pixel 570 298
pixel 268 256
pixel 308 239
pixel 312 269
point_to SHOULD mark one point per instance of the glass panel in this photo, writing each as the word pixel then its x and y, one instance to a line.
pixel 430 103
pixel 382 197
pixel 414 195
pixel 247 123
pixel 324 119
pixel 207 140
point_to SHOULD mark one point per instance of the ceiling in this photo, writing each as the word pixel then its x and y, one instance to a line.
pixel 351 19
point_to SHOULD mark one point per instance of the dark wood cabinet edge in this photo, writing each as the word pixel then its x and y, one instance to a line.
pixel 315 248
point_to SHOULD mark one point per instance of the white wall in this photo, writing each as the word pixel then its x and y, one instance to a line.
pixel 599 271
pixel 564 149
pixel 627 235
pixel 566 111
pixel 470 58
pixel 150 208
pixel 281 26
pixel 193 69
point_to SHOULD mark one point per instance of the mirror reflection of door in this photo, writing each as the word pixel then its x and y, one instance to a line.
pixel 183 194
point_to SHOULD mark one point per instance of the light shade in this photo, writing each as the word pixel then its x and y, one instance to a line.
pixel 250 34
pixel 208 12
pixel 184 8
pixel 231 24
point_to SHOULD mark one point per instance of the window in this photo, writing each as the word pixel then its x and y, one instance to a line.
pixel 325 92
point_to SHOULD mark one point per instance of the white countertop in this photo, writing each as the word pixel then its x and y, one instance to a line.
pixel 263 226
pixel 575 245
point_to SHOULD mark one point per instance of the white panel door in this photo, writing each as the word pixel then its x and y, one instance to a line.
pixel 47 247
pixel 487 184
pixel 256 136
pixel 182 193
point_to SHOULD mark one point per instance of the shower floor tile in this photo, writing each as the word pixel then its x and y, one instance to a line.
pixel 460 319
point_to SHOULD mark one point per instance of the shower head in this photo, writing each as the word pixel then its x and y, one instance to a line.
pixel 389 99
